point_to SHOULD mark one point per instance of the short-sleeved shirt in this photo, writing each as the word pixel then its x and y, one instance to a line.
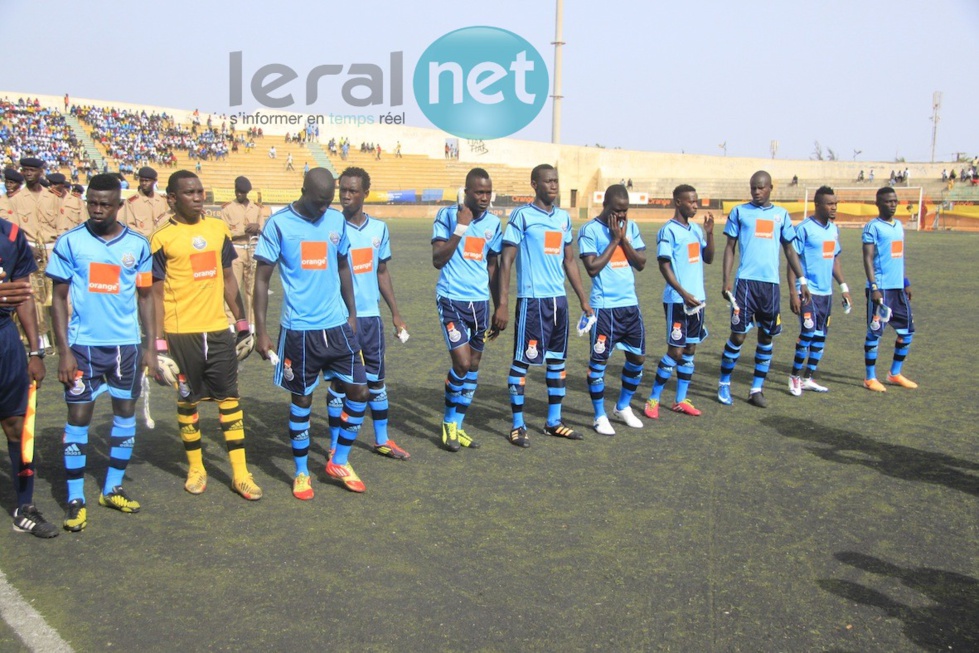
pixel 817 247
pixel 464 278
pixel 237 215
pixel 683 246
pixel 104 275
pixel 887 237
pixel 37 213
pixel 307 252
pixel 189 259
pixel 16 258
pixel 143 214
pixel 615 285
pixel 540 238
pixel 370 245
pixel 760 231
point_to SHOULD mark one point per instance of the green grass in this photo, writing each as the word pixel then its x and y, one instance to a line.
pixel 838 522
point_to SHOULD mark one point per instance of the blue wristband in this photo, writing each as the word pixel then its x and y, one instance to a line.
pixel 907 282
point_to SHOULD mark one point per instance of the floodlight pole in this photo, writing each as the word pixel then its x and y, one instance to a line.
pixel 556 96
pixel 936 105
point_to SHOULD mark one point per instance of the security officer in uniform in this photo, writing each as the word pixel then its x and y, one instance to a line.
pixel 72 212
pixel 147 209
pixel 12 181
pixel 244 219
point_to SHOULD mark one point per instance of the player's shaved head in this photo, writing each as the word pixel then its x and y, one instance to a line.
pixel 175 178
pixel 536 172
pixel 761 178
pixel 615 192
pixel 319 188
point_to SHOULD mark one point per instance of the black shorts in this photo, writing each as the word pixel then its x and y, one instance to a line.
pixel 14 380
pixel 208 365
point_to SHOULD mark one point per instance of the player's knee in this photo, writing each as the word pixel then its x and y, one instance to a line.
pixel 737 338
pixel 635 359
pixel 302 401
pixel 375 385
pixel 675 352
pixel 358 393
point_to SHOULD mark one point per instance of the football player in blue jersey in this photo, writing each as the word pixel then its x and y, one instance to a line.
pixel 538 237
pixel 466 241
pixel 682 249
pixel 105 269
pixel 308 241
pixel 888 291
pixel 818 245
pixel 756 230
pixel 370 251
pixel 611 247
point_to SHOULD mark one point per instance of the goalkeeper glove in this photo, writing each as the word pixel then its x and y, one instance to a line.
pixel 166 368
pixel 244 341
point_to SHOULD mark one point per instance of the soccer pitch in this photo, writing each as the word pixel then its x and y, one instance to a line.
pixel 837 522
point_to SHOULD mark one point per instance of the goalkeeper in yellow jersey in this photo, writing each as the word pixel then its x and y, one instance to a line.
pixel 192 281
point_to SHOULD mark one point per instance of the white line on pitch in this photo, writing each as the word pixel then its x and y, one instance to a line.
pixel 27 622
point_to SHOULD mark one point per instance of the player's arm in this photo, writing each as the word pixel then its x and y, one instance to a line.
pixel 146 305
pixel 838 275
pixel 635 257
pixel 708 251
pixel 347 291
pixel 791 277
pixel 595 263
pixel 67 365
pixel 260 304
pixel 666 269
pixel 728 264
pixel 442 250
pixel 571 270
pixel 796 266
pixel 232 294
pixel 386 287
pixel 502 312
pixel 28 321
pixel 869 250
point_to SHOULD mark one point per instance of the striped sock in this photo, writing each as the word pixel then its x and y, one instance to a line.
pixel 663 373
pixel 232 421
pixel 334 406
pixel 299 436
pixel 802 347
pixel 763 360
pixel 870 355
pixel 453 388
pixel 631 378
pixel 516 382
pixel 596 386
pixel 684 373
pixel 901 347
pixel 466 396
pixel 556 389
pixel 75 444
pixel 379 413
pixel 190 432
pixel 729 359
pixel 815 353
pixel 350 420
pixel 122 438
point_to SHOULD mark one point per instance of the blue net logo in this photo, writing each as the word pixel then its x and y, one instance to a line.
pixel 481 83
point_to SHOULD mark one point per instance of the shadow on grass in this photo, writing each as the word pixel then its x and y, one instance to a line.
pixel 950 624
pixel 898 461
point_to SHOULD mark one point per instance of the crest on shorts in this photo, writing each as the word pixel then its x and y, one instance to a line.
pixel 376 242
pixel 182 386
pixel 875 324
pixel 599 347
pixel 334 238
pixel 807 321
pixel 199 242
pixel 676 333
pixel 736 317
pixel 532 349
pixel 287 372
pixel 78 387
pixel 128 260
pixel 454 334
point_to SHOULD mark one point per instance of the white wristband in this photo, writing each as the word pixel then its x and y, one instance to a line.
pixel 803 281
pixel 844 288
pixel 460 230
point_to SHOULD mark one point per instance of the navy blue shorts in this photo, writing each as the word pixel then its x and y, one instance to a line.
pixel 13 372
pixel 303 355
pixel 758 302
pixel 370 336
pixel 463 323
pixel 542 330
pixel 815 316
pixel 902 321
pixel 116 369
pixel 617 328
pixel 683 329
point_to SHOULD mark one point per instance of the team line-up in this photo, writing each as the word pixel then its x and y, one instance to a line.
pixel 159 305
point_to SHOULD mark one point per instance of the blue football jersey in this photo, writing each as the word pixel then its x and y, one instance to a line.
pixel 464 278
pixel 103 277
pixel 760 231
pixel 307 253
pixel 683 246
pixel 615 285
pixel 817 247
pixel 540 238
pixel 887 237
pixel 370 244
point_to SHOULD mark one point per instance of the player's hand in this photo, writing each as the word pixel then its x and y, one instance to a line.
pixel 586 308
pixel 352 323
pixel 399 324
pixel 709 223
pixel 727 290
pixel 847 299
pixel 500 318
pixel 804 292
pixel 35 369
pixel 14 293
pixel 67 366
pixel 907 291
pixel 263 345
pixel 795 303
pixel 877 297
pixel 690 301
pixel 465 215
pixel 149 359
pixel 244 343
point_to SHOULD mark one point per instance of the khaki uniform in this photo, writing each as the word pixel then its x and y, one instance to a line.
pixel 144 214
pixel 237 215
pixel 6 209
pixel 73 212
pixel 37 215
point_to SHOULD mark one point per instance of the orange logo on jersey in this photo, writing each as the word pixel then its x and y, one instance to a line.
pixel 552 242
pixel 829 248
pixel 473 249
pixel 363 259
pixel 312 255
pixel 204 265
pixel 897 249
pixel 765 229
pixel 618 259
pixel 103 278
pixel 693 252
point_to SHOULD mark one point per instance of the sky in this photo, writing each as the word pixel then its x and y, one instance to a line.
pixel 856 76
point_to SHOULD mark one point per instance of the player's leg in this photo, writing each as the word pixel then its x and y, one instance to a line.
pixel 349 368
pixel 763 361
pixel 124 377
pixel 477 322
pixel 803 345
pixel 295 374
pixel 601 350
pixel 684 374
pixel 187 350
pixel 822 305
pixel 632 339
pixel 903 325
pixel 741 321
pixel 554 345
pixel 370 335
pixel 457 336
pixel 300 408
pixel 675 340
pixel 527 351
pixel 765 296
pixel 875 329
